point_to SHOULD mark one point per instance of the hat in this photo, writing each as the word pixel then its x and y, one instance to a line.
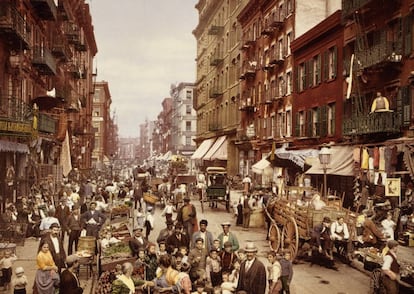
pixel 187 199
pixel 149 208
pixel 139 228
pixel 392 244
pixel 250 247
pixel 54 225
pixel 204 222
pixel 226 224
pixel 19 270
pixel 72 259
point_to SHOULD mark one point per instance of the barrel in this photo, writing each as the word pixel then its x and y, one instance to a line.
pixel 87 243
pixel 257 219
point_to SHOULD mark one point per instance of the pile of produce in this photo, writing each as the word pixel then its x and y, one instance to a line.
pixel 116 251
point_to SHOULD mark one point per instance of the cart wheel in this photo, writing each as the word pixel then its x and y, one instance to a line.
pixel 290 237
pixel 274 237
pixel 375 285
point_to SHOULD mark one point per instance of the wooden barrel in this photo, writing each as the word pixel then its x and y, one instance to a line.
pixel 87 243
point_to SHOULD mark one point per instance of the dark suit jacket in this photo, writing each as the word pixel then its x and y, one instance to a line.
pixel 135 245
pixel 172 242
pixel 69 284
pixel 254 280
pixel 60 258
pixel 62 214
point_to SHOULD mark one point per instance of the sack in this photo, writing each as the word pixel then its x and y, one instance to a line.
pixel 83 233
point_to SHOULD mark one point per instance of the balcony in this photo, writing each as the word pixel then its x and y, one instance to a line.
pixel 215 30
pixel 247 105
pixel 72 33
pixel 216 59
pixel 13 28
pixel 374 123
pixel 47 124
pixel 380 55
pixel 276 22
pixel 60 49
pixel 276 58
pixel 249 69
pixel 63 11
pixel 45 9
pixel 350 6
pixel 77 71
pixel 215 92
pixel 248 40
pixel 15 116
pixel 44 61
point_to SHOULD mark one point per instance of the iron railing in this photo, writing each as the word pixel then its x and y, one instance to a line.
pixel 373 123
pixel 14 26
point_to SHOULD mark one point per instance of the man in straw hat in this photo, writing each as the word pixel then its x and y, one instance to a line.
pixel 227 236
pixel 252 279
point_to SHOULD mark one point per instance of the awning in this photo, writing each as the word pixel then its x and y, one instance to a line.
pixel 218 150
pixel 9 146
pixel 296 156
pixel 202 149
pixel 260 166
pixel 342 162
pixel 167 155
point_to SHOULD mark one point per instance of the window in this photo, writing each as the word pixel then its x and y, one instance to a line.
pixel 330 63
pixel 288 123
pixel 281 116
pixel 288 41
pixel 331 119
pixel 309 72
pixel 289 83
pixel 189 94
pixel 273 126
pixel 281 86
pixel 301 123
pixel 187 140
pixel 289 6
pixel 188 126
pixel 280 49
pixel 188 109
pixel 315 122
pixel 301 77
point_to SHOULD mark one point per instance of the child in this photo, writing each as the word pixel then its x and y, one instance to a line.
pixel 216 244
pixel 152 261
pixel 199 288
pixel 235 273
pixel 286 272
pixel 227 287
pixel 19 282
pixel 6 267
pixel 274 271
pixel 241 255
pixel 149 222
pixel 168 211
pixel 140 218
pixel 141 263
pixel 162 249
pixel 184 252
pixel 213 268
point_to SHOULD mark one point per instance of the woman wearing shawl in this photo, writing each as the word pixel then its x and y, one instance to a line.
pixel 170 280
pixel 47 278
pixel 125 284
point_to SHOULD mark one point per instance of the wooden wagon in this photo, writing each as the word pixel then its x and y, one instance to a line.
pixel 292 224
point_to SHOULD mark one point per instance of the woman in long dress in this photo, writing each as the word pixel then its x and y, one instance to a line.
pixel 47 278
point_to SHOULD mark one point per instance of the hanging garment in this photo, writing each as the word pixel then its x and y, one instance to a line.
pixel 381 166
pixel 365 159
pixel 376 157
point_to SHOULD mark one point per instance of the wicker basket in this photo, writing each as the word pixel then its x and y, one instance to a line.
pixel 150 198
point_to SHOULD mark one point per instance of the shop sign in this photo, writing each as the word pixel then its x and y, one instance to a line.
pixel 15 127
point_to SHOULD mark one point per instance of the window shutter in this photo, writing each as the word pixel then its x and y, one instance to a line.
pixel 310 72
pixel 406 105
pixel 304 78
pixel 318 69
pixel 296 73
pixel 335 61
pixel 408 34
pixel 297 124
pixel 323 120
pixel 325 65
pixel 309 123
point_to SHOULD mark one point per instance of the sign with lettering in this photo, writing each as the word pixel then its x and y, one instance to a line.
pixel 16 127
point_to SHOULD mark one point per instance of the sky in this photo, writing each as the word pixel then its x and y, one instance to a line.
pixel 144 46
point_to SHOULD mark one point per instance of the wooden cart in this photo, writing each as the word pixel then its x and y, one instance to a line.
pixel 292 225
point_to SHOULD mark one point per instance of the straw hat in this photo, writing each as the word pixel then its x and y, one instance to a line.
pixel 250 247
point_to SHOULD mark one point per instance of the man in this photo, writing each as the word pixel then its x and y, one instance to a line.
pixel 247 210
pixel 187 215
pixel 252 277
pixel 69 282
pixel 391 269
pixel 207 236
pixel 166 232
pixel 227 236
pixel 85 206
pixel 62 214
pixel 93 221
pixel 75 228
pixel 340 234
pixel 197 260
pixel 138 241
pixel 48 221
pixel 321 237
pixel 55 246
pixel 177 240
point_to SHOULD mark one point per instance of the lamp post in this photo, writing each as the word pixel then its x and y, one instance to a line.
pixel 324 159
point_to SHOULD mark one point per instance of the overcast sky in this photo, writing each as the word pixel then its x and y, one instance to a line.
pixel 144 46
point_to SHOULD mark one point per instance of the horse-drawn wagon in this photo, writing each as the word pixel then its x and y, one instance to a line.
pixel 292 222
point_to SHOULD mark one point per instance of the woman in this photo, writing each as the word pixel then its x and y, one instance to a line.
pixel 125 284
pixel 46 279
pixel 171 280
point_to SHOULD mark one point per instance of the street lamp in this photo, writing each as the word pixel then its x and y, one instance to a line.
pixel 325 159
